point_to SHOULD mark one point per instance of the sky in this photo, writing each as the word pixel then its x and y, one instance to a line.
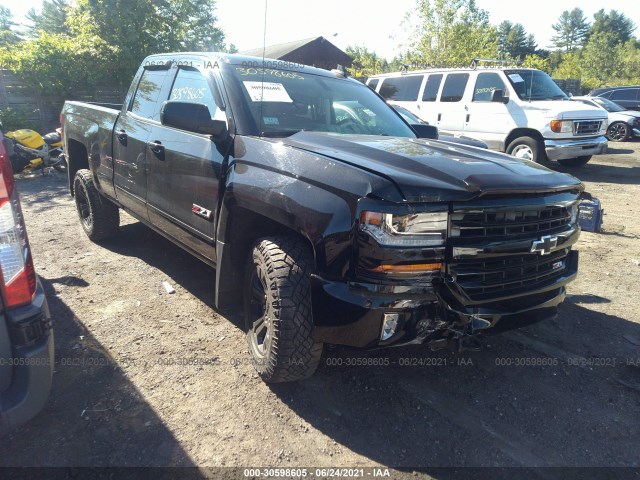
pixel 361 22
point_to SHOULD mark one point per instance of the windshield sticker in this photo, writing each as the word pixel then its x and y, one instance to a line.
pixel 267 92
pixel 270 120
pixel 188 93
pixel 516 78
pixel 243 72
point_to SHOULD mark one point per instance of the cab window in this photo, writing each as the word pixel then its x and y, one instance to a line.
pixel 454 85
pixel 401 89
pixel 431 88
pixel 145 101
pixel 191 86
pixel 485 85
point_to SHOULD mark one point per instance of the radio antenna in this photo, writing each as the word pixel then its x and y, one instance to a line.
pixel 264 48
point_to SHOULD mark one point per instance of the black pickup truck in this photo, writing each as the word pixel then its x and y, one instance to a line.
pixel 325 229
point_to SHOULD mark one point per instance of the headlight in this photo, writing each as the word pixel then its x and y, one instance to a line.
pixel 427 229
pixel 562 126
pixel 573 210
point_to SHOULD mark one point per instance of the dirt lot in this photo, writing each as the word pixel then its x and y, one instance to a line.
pixel 146 378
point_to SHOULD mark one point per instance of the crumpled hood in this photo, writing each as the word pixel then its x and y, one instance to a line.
pixel 428 170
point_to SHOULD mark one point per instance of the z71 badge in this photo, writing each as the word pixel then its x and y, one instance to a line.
pixel 201 211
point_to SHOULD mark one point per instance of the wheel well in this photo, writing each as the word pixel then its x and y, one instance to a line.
pixel 244 227
pixel 77 159
pixel 522 132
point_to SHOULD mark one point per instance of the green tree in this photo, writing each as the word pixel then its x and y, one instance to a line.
pixel 571 30
pixel 7 35
pixel 365 63
pixel 629 55
pixel 570 66
pixel 134 29
pixel 513 41
pixel 58 64
pixel 618 27
pixel 600 63
pixel 536 61
pixel 451 33
pixel 52 18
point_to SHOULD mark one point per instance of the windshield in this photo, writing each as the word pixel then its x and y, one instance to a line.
pixel 282 103
pixel 608 105
pixel 534 85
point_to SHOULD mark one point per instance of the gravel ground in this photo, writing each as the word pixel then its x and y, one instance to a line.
pixel 147 378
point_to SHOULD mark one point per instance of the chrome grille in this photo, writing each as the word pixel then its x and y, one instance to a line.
pixel 495 277
pixel 586 127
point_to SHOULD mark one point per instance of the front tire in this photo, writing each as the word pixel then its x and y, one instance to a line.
pixel 618 132
pixel 99 217
pixel 527 148
pixel 575 162
pixel 277 310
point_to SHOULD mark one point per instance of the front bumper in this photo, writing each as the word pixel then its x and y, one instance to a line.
pixel 635 132
pixel 32 362
pixel 564 149
pixel 352 313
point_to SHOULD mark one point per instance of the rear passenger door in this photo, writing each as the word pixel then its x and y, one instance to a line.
pixel 452 112
pixel 427 109
pixel 185 170
pixel 130 137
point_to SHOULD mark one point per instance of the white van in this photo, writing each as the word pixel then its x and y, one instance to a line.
pixel 516 110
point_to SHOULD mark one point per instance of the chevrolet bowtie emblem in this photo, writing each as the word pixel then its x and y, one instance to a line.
pixel 544 245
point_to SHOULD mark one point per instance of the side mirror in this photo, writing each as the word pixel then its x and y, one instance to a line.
pixel 425 131
pixel 498 96
pixel 194 117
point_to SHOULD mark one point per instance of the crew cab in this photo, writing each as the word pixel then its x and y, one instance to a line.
pixel 324 229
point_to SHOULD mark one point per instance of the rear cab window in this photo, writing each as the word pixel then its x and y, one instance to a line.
pixel 373 83
pixel 401 89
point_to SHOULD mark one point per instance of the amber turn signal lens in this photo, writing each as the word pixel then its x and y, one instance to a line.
pixel 415 268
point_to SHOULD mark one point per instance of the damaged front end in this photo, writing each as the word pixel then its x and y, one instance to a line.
pixel 442 274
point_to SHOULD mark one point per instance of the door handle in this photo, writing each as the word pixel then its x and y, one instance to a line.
pixel 439 116
pixel 122 137
pixel 468 116
pixel 157 148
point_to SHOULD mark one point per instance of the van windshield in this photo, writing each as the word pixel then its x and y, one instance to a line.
pixel 534 85
pixel 283 102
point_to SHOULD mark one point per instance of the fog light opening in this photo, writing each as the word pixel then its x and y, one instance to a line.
pixel 389 325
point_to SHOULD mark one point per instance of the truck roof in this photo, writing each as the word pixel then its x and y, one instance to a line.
pixel 242 60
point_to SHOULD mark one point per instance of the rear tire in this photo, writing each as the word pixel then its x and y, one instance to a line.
pixel 575 162
pixel 527 148
pixel 277 310
pixel 99 217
